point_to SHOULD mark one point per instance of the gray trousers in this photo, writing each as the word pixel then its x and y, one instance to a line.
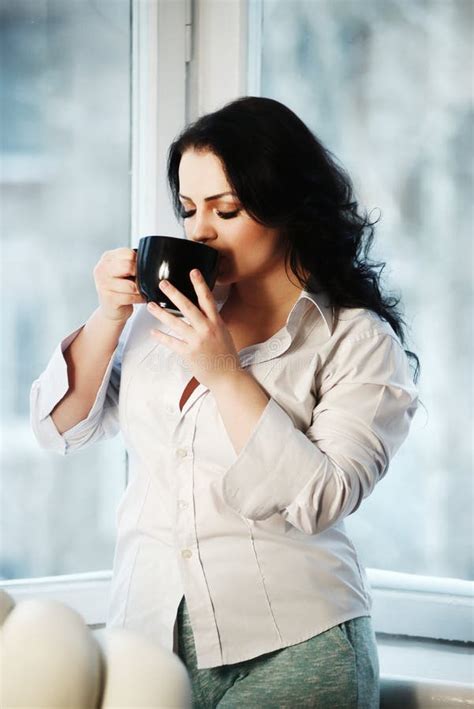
pixel 337 669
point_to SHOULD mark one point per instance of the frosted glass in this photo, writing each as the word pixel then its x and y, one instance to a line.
pixel 64 190
pixel 387 86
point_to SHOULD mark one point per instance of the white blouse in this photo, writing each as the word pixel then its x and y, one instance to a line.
pixel 255 541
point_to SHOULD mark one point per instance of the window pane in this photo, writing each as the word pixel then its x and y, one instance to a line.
pixel 386 85
pixel 65 78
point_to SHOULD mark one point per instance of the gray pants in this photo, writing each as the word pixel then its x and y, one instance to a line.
pixel 337 669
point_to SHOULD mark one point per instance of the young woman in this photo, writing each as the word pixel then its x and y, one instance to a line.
pixel 231 546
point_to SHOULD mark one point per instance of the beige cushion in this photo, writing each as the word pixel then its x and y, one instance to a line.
pixel 142 674
pixel 49 659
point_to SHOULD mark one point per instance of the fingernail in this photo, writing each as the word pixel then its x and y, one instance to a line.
pixel 164 284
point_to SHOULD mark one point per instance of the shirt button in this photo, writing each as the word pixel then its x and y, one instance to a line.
pixel 182 452
pixel 182 504
pixel 186 553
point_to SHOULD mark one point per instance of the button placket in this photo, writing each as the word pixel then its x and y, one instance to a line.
pixel 187 546
pixel 185 531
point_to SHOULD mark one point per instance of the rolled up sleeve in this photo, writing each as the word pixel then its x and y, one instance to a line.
pixel 315 478
pixel 50 387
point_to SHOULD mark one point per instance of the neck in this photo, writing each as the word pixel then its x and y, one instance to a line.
pixel 271 296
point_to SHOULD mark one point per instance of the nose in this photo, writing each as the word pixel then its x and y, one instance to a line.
pixel 201 229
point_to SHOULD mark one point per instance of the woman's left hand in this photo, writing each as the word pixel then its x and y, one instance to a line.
pixel 206 346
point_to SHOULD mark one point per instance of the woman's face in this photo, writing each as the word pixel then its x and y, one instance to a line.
pixel 215 217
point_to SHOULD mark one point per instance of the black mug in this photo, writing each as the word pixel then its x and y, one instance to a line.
pixel 160 257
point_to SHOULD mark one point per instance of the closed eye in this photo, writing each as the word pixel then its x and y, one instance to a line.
pixel 185 215
pixel 222 215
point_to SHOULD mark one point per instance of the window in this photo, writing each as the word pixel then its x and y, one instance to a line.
pixel 92 95
pixel 386 86
pixel 65 197
pixel 166 86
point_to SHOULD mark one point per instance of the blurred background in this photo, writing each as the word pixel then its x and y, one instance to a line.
pixel 65 199
pixel 387 86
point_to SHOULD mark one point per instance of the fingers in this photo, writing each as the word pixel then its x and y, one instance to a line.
pixel 120 298
pixel 207 304
pixel 118 262
pixel 114 276
pixel 111 266
pixel 205 296
pixel 121 267
pixel 122 252
pixel 116 284
pixel 120 285
pixel 174 321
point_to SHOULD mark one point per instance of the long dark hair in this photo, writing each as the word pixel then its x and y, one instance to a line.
pixel 285 178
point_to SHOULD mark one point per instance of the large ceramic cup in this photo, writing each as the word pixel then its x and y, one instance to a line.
pixel 160 257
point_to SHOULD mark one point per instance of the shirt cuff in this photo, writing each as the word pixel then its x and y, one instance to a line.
pixel 265 479
pixel 53 382
pixel 50 388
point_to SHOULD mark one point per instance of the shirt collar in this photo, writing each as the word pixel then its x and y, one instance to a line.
pixel 320 300
pixel 322 303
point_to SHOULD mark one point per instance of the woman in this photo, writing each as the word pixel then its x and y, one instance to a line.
pixel 231 541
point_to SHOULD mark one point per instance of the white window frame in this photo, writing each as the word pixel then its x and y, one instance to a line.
pixel 165 94
pixel 159 68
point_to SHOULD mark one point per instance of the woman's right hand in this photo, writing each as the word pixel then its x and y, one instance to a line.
pixel 117 293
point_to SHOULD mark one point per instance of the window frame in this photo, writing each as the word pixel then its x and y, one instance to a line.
pixel 158 106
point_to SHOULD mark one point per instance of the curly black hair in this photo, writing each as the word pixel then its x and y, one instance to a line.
pixel 285 178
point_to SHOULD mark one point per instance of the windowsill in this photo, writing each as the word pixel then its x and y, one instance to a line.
pixel 419 658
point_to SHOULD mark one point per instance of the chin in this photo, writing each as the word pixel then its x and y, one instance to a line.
pixel 222 280
pixel 225 275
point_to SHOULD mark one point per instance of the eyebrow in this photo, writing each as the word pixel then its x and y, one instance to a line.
pixel 209 199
